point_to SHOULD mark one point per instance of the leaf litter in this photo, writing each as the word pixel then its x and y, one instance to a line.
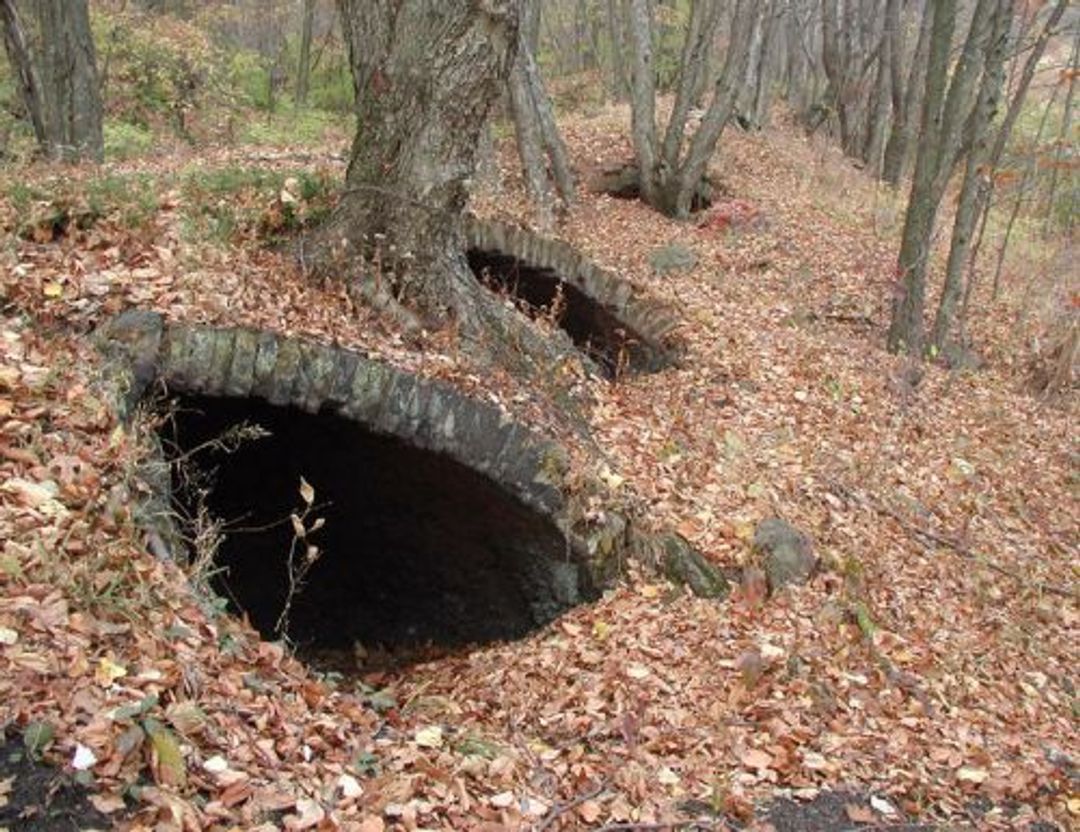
pixel 928 664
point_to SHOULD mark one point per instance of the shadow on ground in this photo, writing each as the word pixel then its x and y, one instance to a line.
pixel 37 796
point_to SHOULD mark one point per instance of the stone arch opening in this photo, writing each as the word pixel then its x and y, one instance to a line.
pixel 621 328
pixel 417 549
pixel 611 343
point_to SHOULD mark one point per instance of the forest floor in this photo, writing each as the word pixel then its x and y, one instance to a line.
pixel 927 672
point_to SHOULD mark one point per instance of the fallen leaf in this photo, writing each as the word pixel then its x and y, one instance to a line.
pixel 667 777
pixel 430 737
pixel 106 803
pixel 167 761
pixel 969 774
pixel 36 737
pixel 84 758
pixel 215 764
pixel 350 786
pixel 883 806
pixel 502 800
pixel 755 758
pixel 109 671
pixel 590 811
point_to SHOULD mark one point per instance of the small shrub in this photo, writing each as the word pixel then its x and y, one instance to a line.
pixel 124 140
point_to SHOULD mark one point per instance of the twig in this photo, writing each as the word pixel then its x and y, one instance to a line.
pixel 962 549
pixel 951 543
pixel 561 809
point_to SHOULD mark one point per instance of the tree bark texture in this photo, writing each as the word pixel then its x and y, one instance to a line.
pixel 22 64
pixel 426 73
pixel 59 83
pixel 905 117
pixel 906 327
pixel 967 214
pixel 945 116
pixel 671 173
pixel 538 138
pixel 884 95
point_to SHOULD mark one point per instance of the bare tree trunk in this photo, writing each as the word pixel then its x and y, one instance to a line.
pixel 538 138
pixel 719 110
pixel 704 16
pixel 801 79
pixel 303 69
pixel 1063 135
pixel 643 95
pixel 967 213
pixel 905 124
pixel 906 328
pixel 1025 185
pixel 529 143
pixel 66 110
pixel 1019 94
pixel 884 95
pixel 619 83
pixel 744 104
pixel 939 144
pixel 22 65
pixel 838 60
pixel 670 176
pixel 766 73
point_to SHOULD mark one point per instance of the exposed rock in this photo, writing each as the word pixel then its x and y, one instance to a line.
pixel 787 553
pixel 623 182
pixel 672 258
pixel 683 564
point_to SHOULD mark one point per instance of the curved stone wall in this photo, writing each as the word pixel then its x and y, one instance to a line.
pixel 651 321
pixel 142 350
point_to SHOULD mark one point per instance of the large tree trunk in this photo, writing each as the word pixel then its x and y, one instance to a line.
pixel 60 84
pixel 426 75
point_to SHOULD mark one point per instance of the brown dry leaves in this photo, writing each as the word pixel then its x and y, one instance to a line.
pixel 787 404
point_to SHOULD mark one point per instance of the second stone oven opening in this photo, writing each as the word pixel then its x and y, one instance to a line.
pixel 595 330
pixel 416 548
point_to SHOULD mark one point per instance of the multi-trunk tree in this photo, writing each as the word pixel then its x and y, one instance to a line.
pixel 958 126
pixel 948 104
pixel 51 50
pixel 671 165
